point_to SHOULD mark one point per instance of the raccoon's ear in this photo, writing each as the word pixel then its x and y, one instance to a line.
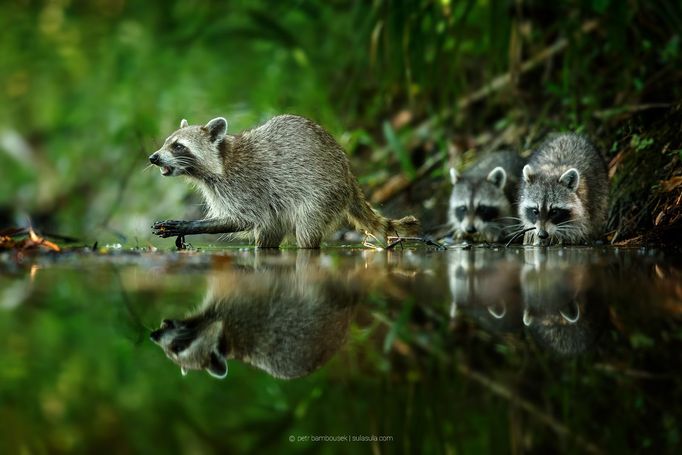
pixel 217 365
pixel 570 179
pixel 571 318
pixel 498 177
pixel 527 318
pixel 184 123
pixel 527 173
pixel 453 175
pixel 217 128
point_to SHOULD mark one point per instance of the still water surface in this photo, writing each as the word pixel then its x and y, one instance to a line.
pixel 339 350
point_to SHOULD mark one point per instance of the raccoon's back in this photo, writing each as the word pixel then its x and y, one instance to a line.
pixel 285 332
pixel 292 140
pixel 561 152
pixel 295 153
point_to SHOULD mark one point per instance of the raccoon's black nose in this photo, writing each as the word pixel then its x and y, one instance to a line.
pixel 543 234
pixel 154 158
pixel 471 230
pixel 155 336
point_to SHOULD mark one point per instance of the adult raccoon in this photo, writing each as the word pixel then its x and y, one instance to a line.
pixel 288 175
pixel 286 321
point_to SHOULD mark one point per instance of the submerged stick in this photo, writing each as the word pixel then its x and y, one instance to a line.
pixel 425 240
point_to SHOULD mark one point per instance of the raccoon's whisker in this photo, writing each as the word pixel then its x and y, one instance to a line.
pixel 147 168
pixel 518 234
pixel 182 164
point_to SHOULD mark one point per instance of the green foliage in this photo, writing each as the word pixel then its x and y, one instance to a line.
pixel 91 88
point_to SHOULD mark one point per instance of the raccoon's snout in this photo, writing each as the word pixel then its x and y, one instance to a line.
pixel 166 324
pixel 154 158
pixel 543 235
pixel 471 229
pixel 155 336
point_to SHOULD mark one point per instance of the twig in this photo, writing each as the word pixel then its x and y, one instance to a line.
pixel 503 80
pixel 399 183
pixel 123 185
pixel 606 113
pixel 504 392
pixel 424 240
pixel 367 244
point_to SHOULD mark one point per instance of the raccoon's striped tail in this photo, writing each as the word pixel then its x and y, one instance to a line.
pixel 365 218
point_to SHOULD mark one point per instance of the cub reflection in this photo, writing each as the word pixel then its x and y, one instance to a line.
pixel 564 303
pixel 556 295
pixel 284 318
pixel 484 284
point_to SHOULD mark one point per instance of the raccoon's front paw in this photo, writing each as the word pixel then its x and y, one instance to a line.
pixel 169 228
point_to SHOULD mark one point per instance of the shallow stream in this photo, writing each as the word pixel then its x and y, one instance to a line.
pixel 410 350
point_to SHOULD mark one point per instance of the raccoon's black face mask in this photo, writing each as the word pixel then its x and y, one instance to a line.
pixel 194 345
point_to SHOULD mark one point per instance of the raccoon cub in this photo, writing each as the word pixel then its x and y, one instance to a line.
pixel 484 285
pixel 286 176
pixel 564 192
pixel 287 322
pixel 481 199
pixel 564 301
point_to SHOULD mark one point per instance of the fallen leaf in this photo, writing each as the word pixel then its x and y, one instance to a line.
pixel 671 184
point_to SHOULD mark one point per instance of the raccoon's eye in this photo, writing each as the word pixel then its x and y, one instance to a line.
pixel 558 215
pixel 178 346
pixel 486 212
pixel 460 212
pixel 178 147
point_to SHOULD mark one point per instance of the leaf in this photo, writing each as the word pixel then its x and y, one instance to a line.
pixel 397 147
pixel 671 184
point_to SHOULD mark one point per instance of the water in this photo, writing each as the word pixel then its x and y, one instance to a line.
pixel 413 350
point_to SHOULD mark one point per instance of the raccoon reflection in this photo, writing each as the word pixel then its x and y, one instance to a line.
pixel 482 197
pixel 485 286
pixel 286 322
pixel 563 308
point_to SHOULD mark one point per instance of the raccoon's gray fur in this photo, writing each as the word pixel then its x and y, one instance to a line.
pixel 288 175
pixel 286 322
pixel 481 202
pixel 564 306
pixel 564 192
pixel 484 284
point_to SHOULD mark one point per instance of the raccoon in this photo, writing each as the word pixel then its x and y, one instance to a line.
pixel 484 285
pixel 482 197
pixel 564 304
pixel 286 322
pixel 286 176
pixel 564 192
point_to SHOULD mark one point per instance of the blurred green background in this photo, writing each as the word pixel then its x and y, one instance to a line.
pixel 88 89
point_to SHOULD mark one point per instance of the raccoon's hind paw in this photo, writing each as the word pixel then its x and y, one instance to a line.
pixel 169 228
